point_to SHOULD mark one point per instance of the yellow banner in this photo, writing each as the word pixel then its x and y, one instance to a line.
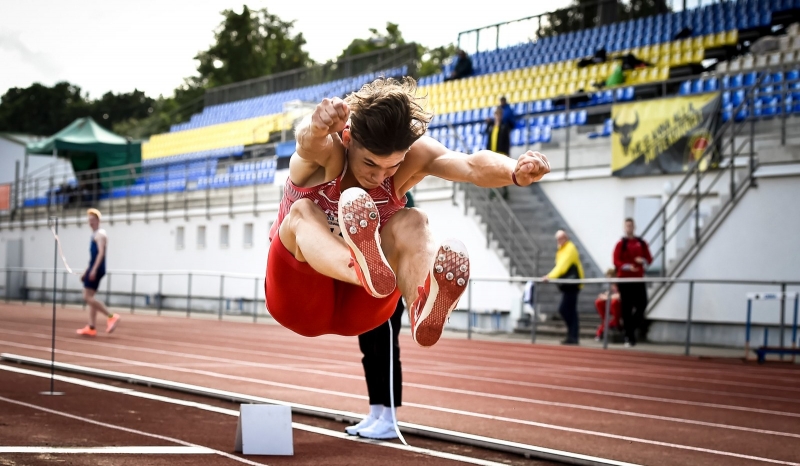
pixel 661 136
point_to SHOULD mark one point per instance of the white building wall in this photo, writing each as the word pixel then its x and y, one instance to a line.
pixel 595 208
pixel 152 247
pixel 760 239
pixel 12 152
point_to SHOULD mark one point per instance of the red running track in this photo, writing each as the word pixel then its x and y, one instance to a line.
pixel 634 407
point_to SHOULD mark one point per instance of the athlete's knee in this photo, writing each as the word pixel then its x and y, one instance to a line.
pixel 416 218
pixel 305 208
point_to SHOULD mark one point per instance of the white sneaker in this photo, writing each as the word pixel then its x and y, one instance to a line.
pixel 381 430
pixel 366 422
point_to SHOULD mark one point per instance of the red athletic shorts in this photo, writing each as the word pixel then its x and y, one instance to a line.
pixel 311 304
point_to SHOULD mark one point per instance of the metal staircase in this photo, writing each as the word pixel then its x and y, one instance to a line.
pixel 711 189
pixel 522 230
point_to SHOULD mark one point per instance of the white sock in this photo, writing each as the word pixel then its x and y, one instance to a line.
pixel 387 414
pixel 375 411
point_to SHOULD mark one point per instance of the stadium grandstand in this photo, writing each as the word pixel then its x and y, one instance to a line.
pixel 673 139
pixel 231 157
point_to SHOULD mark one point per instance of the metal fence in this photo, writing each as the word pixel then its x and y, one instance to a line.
pixel 780 285
pixel 190 292
pixel 534 27
pixel 183 291
pixel 309 76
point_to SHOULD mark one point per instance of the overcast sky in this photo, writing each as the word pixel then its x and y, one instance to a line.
pixel 116 45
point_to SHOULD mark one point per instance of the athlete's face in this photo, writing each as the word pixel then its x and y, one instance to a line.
pixel 94 222
pixel 371 170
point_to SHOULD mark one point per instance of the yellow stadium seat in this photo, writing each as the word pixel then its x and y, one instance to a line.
pixel 708 41
pixel 526 72
pixel 549 69
pixel 515 97
pixel 675 46
pixel 561 89
pixel 559 66
pixel 583 73
pixel 663 73
pixel 573 75
pixel 516 74
pixel 686 45
pixel 698 55
pixel 720 39
pixel 483 102
pixel 533 94
pixel 571 88
pixel 504 87
pixel 732 37
pixel 697 43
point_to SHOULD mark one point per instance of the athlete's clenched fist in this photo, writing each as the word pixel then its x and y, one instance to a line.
pixel 531 167
pixel 329 117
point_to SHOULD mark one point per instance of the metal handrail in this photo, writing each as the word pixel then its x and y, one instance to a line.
pixel 724 138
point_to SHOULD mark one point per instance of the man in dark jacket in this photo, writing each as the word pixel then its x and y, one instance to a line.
pixel 631 257
pixel 374 344
pixel 463 67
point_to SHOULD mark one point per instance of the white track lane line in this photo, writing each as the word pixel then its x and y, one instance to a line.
pixel 531 368
pixel 445 367
pixel 580 431
pixel 110 450
pixel 125 429
pixel 443 371
pixel 230 412
pixel 437 408
pixel 543 351
pixel 537 368
pixel 354 377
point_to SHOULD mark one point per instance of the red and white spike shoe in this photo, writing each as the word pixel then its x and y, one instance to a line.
pixel 359 221
pixel 445 284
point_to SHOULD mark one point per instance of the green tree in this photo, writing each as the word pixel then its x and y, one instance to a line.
pixel 584 14
pixel 377 41
pixel 39 109
pixel 248 45
pixel 112 108
pixel 433 59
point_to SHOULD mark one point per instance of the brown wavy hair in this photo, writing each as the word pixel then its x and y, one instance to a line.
pixel 387 116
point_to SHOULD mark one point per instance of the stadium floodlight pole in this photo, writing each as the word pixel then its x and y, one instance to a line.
pixel 54 222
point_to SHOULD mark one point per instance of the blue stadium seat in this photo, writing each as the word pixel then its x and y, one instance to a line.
pixel 697 86
pixel 516 137
pixel 711 84
pixel 685 88
pixel 546 134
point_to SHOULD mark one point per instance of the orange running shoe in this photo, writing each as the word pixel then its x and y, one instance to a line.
pixel 359 221
pixel 87 331
pixel 112 322
pixel 445 284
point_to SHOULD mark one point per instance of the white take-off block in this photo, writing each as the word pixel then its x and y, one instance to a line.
pixel 264 430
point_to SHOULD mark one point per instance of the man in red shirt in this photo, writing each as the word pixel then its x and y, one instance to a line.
pixel 631 257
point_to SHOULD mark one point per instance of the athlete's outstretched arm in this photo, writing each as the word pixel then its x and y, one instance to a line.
pixel 317 138
pixel 484 168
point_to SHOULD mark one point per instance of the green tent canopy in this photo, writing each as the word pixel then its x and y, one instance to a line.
pixel 89 146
